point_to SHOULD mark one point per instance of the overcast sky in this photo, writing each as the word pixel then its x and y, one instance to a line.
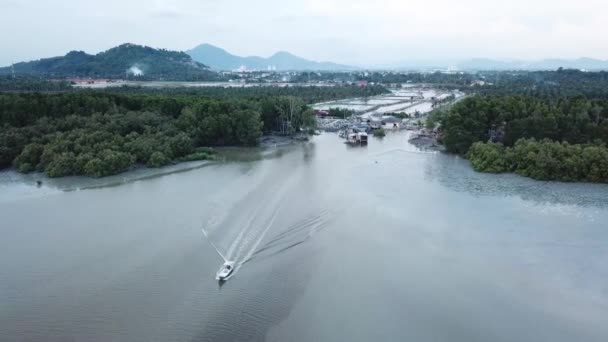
pixel 362 32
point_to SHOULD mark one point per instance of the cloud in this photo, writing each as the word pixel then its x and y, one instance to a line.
pixel 163 9
pixel 10 4
pixel 345 31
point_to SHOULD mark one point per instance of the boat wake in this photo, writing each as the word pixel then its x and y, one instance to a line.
pixel 237 229
pixel 265 213
pixel 250 243
pixel 293 236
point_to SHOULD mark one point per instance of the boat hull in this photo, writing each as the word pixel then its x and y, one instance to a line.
pixel 225 271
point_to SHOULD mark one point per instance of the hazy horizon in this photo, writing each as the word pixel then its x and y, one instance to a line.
pixel 362 33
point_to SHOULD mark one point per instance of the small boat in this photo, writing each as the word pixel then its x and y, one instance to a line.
pixel 356 137
pixel 225 271
pixel 227 268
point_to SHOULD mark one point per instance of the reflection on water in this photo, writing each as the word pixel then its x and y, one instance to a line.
pixel 15 185
pixel 456 174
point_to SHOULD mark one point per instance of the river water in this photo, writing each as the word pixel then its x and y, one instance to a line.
pixel 332 243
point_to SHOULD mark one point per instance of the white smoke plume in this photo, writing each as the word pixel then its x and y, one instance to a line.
pixel 135 71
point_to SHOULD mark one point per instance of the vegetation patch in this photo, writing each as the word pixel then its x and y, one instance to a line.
pixel 203 153
pixel 543 160
pixel 103 133
pixel 555 128
pixel 380 133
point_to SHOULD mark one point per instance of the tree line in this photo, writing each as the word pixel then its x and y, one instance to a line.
pixel 102 133
pixel 99 133
pixel 109 138
pixel 31 84
pixel 576 120
pixel 440 79
pixel 559 134
pixel 308 94
pixel 544 84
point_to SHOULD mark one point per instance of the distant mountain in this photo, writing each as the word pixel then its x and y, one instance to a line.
pixel 545 64
pixel 124 61
pixel 581 63
pixel 220 59
pixel 489 64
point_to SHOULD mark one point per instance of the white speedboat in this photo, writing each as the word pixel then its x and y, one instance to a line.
pixel 225 271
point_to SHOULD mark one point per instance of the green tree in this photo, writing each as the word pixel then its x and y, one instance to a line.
pixel 29 157
pixel 248 128
pixel 157 159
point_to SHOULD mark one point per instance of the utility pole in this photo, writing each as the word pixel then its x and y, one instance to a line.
pixel 13 69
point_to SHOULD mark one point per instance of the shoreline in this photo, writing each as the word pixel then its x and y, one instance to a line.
pixel 225 154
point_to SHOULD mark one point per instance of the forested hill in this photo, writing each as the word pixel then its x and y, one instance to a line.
pixel 125 61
